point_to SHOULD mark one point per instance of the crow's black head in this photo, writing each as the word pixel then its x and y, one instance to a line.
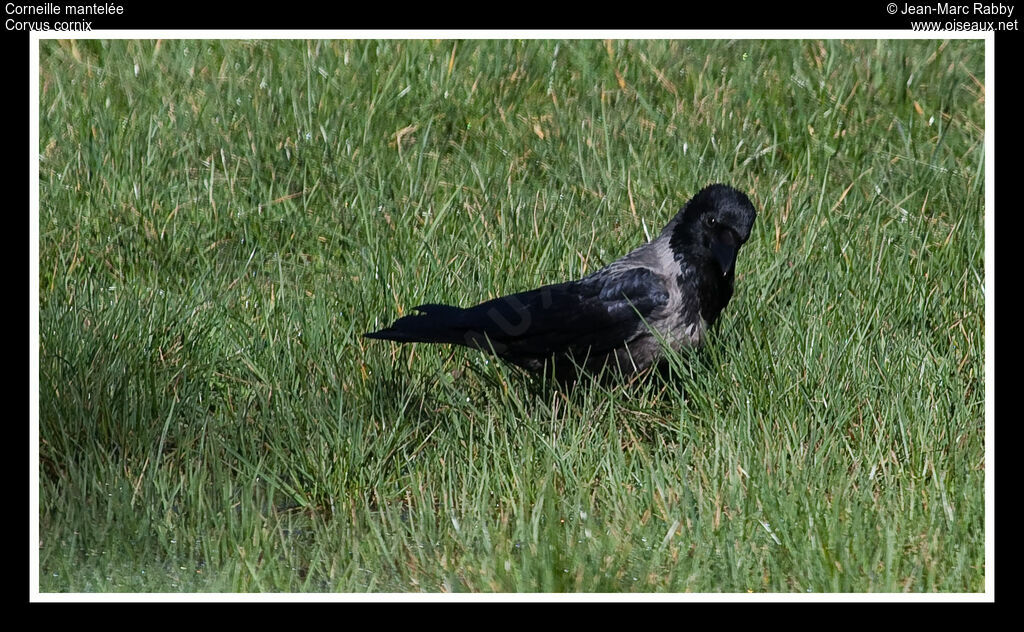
pixel 713 225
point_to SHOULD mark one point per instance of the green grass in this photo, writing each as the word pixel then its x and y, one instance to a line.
pixel 221 220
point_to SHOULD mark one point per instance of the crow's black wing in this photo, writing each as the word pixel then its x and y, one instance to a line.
pixel 592 315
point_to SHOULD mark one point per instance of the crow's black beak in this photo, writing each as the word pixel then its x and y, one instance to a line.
pixel 724 247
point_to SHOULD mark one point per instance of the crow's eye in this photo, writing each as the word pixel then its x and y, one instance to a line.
pixel 709 220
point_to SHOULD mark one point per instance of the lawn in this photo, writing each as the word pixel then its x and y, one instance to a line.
pixel 220 221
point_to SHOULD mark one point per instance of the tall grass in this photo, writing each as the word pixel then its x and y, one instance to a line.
pixel 221 220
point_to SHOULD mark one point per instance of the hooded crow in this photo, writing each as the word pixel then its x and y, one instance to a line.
pixel 666 292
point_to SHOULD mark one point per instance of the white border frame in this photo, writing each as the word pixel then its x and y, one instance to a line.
pixel 989 294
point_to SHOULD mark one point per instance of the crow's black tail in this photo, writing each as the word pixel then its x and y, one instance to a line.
pixel 435 323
